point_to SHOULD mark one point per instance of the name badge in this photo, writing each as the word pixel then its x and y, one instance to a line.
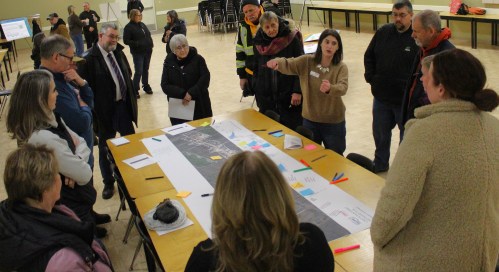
pixel 314 74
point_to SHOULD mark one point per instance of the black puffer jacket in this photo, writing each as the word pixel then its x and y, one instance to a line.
pixel 138 37
pixel 188 75
pixel 177 27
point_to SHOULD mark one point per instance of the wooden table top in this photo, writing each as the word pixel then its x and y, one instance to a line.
pixel 175 248
pixel 135 179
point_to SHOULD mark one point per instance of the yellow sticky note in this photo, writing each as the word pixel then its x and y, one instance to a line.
pixel 205 124
pixel 243 143
pixel 297 185
pixel 183 194
pixel 215 158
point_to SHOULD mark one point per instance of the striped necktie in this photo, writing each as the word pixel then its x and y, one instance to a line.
pixel 117 71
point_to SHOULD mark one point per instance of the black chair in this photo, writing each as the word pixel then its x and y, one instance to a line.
pixel 216 15
pixel 230 14
pixel 4 97
pixel 362 161
pixel 152 258
pixel 285 7
pixel 203 7
pixel 305 132
pixel 273 115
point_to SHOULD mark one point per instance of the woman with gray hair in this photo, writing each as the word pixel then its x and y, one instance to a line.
pixel 186 76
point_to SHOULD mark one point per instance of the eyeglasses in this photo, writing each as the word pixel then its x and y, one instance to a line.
pixel 401 15
pixel 112 37
pixel 68 57
pixel 180 47
pixel 138 15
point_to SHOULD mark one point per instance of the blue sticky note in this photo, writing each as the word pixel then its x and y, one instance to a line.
pixel 265 145
pixel 307 192
pixel 252 143
pixel 278 134
pixel 281 167
pixel 232 135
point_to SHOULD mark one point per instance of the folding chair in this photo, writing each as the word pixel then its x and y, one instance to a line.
pixel 305 132
pixel 273 115
pixel 362 161
pixel 152 257
pixel 4 97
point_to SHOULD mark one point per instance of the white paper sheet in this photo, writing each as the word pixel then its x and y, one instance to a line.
pixel 177 110
pixel 313 37
pixel 140 161
pixel 120 141
pixel 292 142
pixel 310 48
pixel 177 129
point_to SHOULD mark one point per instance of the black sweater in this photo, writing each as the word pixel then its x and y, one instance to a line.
pixel 138 37
pixel 388 63
pixel 312 256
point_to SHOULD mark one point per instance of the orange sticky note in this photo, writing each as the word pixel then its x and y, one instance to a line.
pixel 183 194
pixel 215 158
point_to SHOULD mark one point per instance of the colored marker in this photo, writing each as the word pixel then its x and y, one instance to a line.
pixel 139 160
pixel 339 176
pixel 213 122
pixel 263 129
pixel 305 163
pixel 205 195
pixel 302 169
pixel 338 181
pixel 272 132
pixel 318 158
pixel 156 139
pixel 343 249
pixel 158 177
pixel 335 174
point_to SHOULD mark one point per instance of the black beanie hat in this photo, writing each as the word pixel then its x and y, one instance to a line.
pixel 251 2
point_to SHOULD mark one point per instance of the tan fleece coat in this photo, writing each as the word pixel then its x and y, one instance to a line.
pixel 318 106
pixel 439 210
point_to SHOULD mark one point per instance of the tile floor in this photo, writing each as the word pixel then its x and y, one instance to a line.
pixel 219 51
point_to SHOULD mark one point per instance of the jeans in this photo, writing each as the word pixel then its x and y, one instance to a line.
pixel 122 123
pixel 141 63
pixel 385 117
pixel 78 40
pixel 332 135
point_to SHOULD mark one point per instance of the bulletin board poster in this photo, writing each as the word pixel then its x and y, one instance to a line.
pixel 15 29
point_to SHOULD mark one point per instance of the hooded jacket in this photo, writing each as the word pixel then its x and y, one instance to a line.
pixel 178 27
pixel 60 28
pixel 137 36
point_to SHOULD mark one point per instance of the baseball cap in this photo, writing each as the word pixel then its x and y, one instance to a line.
pixel 52 15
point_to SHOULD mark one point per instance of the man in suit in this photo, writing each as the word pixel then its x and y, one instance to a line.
pixel 108 73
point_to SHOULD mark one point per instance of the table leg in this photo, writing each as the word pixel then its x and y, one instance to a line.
pixel 330 13
pixel 347 19
pixel 375 22
pixel 473 34
pixel 308 17
pixel 357 22
pixel 6 71
pixel 494 33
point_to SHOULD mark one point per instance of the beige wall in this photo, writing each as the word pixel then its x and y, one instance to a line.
pixel 21 8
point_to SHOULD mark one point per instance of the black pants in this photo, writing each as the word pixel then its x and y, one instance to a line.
pixel 90 37
pixel 122 123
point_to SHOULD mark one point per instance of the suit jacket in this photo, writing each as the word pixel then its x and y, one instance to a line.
pixel 96 72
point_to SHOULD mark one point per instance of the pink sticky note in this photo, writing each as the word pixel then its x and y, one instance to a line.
pixel 310 147
pixel 256 147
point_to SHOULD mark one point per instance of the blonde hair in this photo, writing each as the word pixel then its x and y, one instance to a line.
pixel 255 225
pixel 29 171
pixel 132 14
pixel 28 108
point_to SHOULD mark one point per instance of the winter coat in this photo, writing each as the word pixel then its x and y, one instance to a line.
pixel 138 37
pixel 177 27
pixel 60 28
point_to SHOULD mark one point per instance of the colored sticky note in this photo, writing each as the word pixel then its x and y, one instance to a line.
pixel 256 147
pixel 310 147
pixel 277 134
pixel 232 135
pixel 205 124
pixel 215 158
pixel 266 145
pixel 243 143
pixel 253 143
pixel 281 167
pixel 297 185
pixel 183 194
pixel 307 192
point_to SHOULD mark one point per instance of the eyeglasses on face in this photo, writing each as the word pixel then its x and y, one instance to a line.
pixel 68 57
pixel 181 47
pixel 112 37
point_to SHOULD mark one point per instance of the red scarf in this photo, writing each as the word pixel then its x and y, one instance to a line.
pixel 278 44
